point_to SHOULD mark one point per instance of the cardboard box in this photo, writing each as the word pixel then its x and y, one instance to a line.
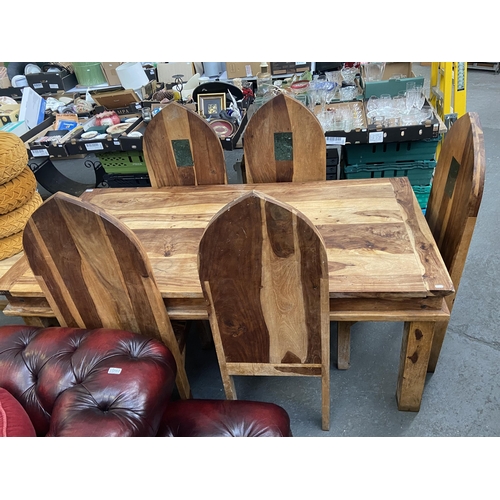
pixel 50 83
pixel 166 71
pixel 109 70
pixel 286 68
pixel 353 136
pixel 115 99
pixel 242 69
pixel 388 86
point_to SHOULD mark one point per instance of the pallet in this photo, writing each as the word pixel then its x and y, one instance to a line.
pixel 485 66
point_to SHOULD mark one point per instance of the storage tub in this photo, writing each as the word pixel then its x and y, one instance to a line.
pixel 418 172
pixel 391 151
pixel 127 162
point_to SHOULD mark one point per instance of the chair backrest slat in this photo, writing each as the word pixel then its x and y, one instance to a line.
pixel 180 149
pixel 456 192
pixel 264 273
pixel 284 142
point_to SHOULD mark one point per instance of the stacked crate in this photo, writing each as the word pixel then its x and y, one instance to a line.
pixel 124 169
pixel 332 162
pixel 412 159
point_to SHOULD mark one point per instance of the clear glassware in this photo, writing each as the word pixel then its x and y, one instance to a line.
pixel 419 97
pixel 349 74
pixel 374 71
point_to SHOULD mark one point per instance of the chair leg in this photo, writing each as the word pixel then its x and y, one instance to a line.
pixel 437 342
pixel 228 384
pixel 415 352
pixel 344 344
pixel 325 401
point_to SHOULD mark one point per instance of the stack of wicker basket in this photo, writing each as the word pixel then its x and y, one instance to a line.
pixel 18 195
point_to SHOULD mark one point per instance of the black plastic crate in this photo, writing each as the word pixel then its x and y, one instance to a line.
pixel 128 180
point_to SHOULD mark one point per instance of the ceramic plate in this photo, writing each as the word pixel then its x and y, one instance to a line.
pixel 31 69
pixel 222 128
pixel 119 128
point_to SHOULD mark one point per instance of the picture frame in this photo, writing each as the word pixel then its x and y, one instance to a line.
pixel 210 105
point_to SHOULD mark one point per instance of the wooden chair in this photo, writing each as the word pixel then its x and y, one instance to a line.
pixel 180 149
pixel 451 213
pixel 94 273
pixel 454 202
pixel 264 273
pixel 284 142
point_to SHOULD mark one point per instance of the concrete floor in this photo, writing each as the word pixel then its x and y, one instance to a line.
pixel 462 397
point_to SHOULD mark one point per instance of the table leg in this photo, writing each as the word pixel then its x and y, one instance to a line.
pixel 415 353
pixel 344 344
pixel 437 342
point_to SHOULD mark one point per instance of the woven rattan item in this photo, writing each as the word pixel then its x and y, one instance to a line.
pixel 11 245
pixel 13 156
pixel 15 221
pixel 17 191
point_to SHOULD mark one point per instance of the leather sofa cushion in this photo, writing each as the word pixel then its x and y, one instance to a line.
pixel 14 421
pixel 80 382
pixel 222 418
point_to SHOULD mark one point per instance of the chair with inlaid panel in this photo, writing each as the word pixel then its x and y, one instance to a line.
pixel 453 206
pixel 451 214
pixel 94 273
pixel 264 273
pixel 284 142
pixel 180 149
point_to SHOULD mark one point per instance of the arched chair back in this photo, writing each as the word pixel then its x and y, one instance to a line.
pixel 284 142
pixel 180 149
pixel 95 273
pixel 264 273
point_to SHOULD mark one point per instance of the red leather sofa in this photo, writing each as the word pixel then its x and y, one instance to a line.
pixel 77 382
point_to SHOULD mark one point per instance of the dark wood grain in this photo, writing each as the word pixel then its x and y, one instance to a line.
pixel 372 275
pixel 95 273
pixel 265 162
pixel 178 123
pixel 264 272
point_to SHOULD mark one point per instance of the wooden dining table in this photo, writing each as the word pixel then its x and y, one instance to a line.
pixel 384 264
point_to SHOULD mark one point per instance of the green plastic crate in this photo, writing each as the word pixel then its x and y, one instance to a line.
pixel 418 172
pixel 422 193
pixel 126 162
pixel 391 151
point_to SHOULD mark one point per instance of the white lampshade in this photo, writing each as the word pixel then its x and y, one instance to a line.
pixel 132 75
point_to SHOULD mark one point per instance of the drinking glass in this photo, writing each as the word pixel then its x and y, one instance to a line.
pixel 372 103
pixel 349 74
pixel 419 97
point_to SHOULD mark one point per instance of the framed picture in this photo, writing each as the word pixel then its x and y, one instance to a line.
pixel 210 105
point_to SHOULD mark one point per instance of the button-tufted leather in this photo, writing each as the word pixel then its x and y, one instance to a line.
pixel 102 382
pixel 62 378
pixel 221 418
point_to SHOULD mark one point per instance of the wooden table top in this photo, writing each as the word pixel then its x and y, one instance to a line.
pixel 378 242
